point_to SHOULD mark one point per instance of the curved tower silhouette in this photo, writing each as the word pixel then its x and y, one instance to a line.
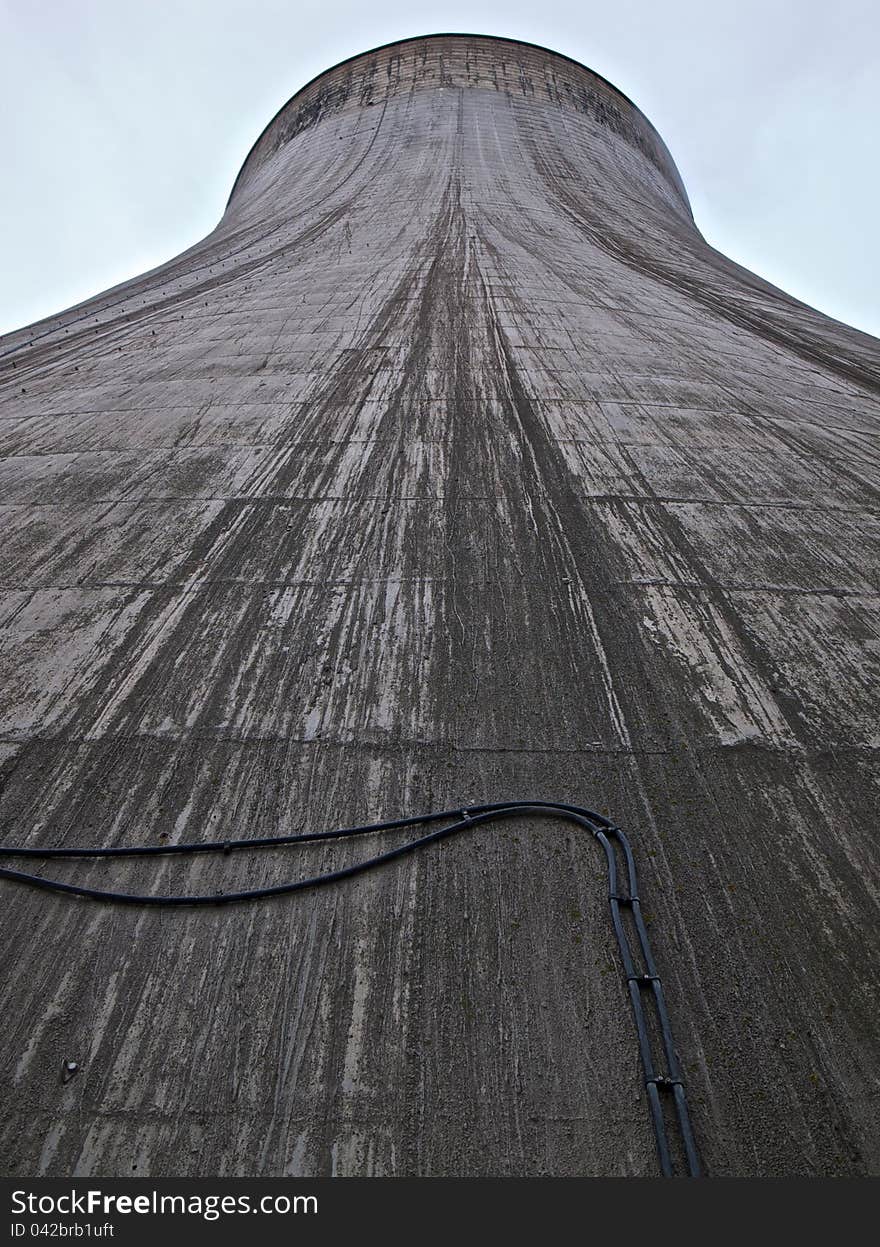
pixel 453 466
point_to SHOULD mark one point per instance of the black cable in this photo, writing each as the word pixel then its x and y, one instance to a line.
pixel 640 982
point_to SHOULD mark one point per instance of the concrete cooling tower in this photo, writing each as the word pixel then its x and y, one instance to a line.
pixel 453 468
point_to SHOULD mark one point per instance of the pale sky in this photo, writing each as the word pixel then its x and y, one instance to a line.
pixel 125 123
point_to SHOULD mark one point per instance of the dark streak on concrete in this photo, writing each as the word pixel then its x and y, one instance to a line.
pixel 452 465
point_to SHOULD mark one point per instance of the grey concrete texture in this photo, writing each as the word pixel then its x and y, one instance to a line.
pixel 452 466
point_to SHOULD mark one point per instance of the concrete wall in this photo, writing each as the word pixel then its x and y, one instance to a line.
pixel 453 465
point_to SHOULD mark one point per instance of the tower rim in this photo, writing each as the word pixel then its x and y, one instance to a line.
pixel 448 34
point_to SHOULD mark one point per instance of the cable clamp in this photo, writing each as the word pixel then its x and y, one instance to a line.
pixel 644 980
pixel 662 1083
pixel 623 900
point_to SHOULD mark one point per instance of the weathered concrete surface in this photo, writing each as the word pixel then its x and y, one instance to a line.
pixel 452 465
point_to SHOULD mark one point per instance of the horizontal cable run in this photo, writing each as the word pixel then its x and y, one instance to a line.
pixel 656 1047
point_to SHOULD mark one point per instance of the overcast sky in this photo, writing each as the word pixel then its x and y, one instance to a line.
pixel 124 124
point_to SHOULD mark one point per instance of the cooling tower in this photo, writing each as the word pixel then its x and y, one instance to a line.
pixel 453 467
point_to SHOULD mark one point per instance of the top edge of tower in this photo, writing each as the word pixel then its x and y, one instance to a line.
pixel 329 90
